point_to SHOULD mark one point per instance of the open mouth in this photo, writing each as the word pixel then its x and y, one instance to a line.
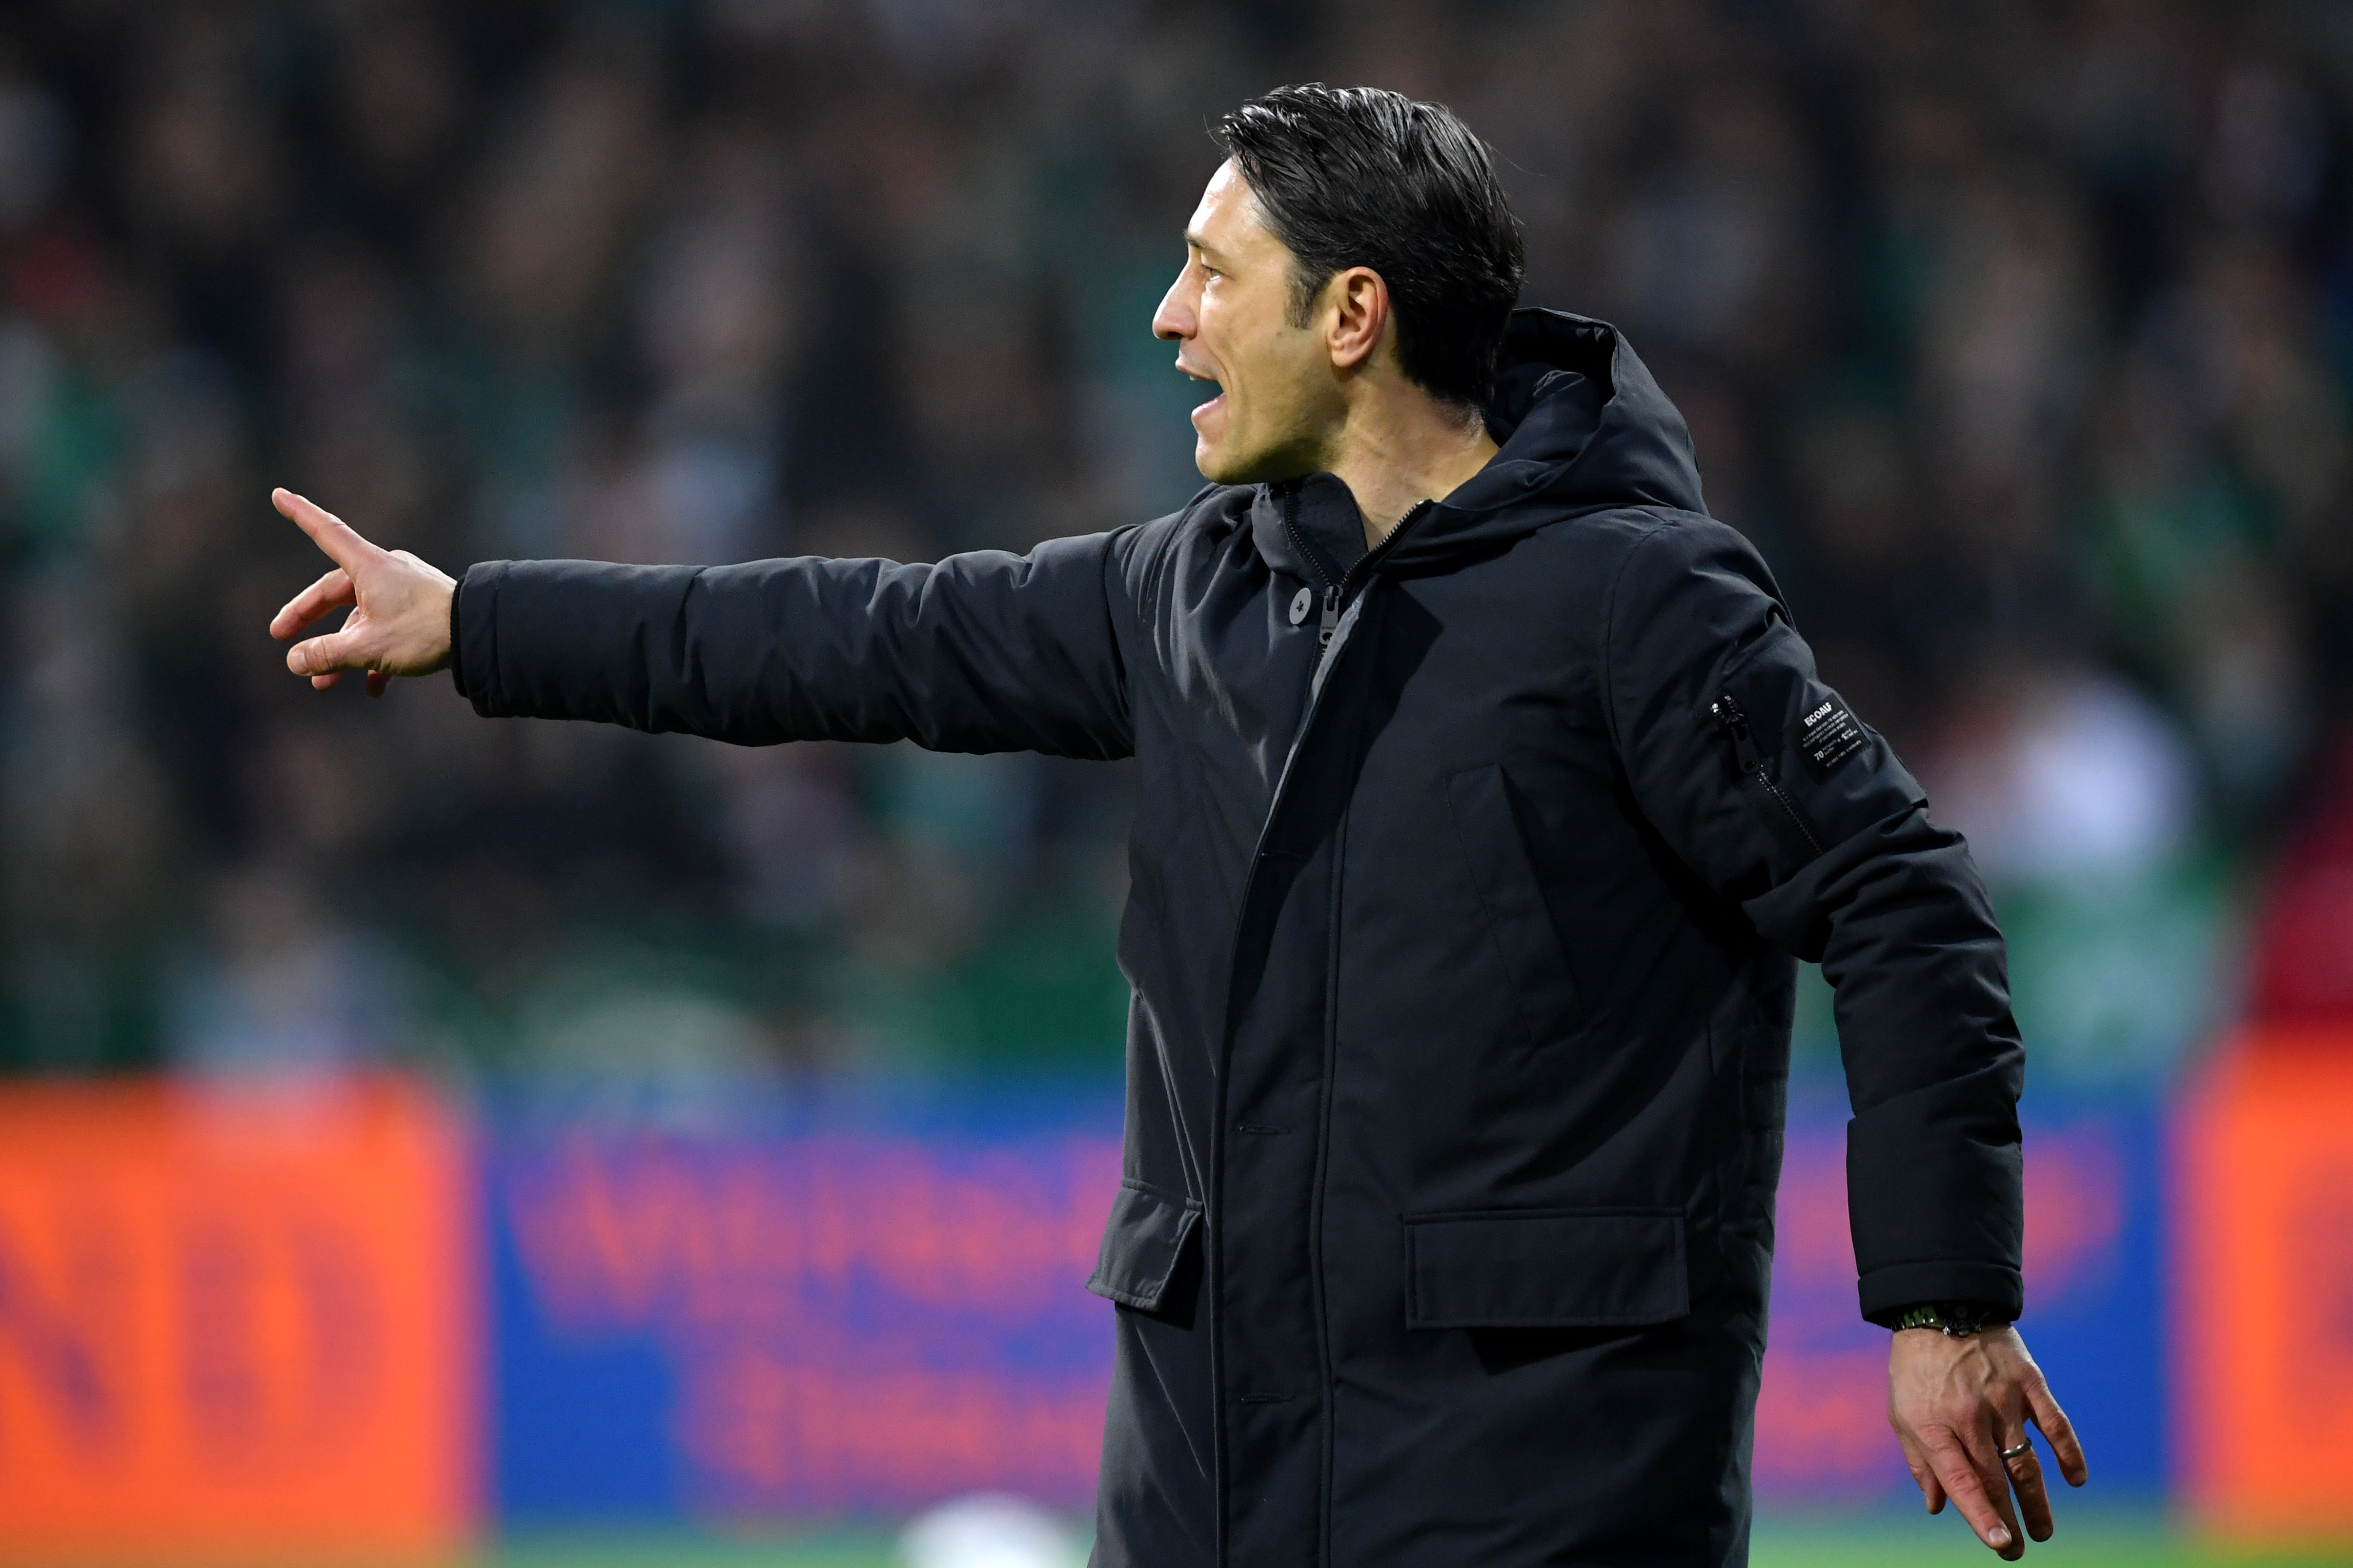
pixel 1214 402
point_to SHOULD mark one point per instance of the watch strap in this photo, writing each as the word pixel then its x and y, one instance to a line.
pixel 1959 1320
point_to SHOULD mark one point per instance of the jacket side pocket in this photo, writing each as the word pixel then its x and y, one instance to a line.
pixel 1525 937
pixel 1143 1242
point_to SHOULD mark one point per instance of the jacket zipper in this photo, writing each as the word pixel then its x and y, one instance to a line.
pixel 1336 595
pixel 1735 720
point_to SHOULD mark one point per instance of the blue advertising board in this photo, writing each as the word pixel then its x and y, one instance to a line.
pixel 863 1311
pixel 852 1314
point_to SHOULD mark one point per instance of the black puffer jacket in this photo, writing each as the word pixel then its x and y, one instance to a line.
pixel 1462 955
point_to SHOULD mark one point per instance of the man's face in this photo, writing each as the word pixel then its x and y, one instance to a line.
pixel 1228 314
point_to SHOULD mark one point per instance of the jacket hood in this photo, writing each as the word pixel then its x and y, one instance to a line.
pixel 1581 426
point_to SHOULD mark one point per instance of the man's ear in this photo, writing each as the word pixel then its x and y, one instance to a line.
pixel 1357 306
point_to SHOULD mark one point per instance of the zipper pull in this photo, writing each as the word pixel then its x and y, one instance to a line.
pixel 1331 622
pixel 1729 714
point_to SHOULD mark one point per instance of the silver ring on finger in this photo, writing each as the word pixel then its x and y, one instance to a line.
pixel 2025 1447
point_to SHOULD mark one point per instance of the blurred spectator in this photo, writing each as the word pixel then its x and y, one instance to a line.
pixel 2065 776
pixel 2022 343
pixel 2080 799
pixel 280 986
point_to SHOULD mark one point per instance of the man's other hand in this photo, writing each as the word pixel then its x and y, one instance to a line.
pixel 399 623
pixel 1956 1405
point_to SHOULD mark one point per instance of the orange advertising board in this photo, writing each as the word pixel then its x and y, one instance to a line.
pixel 2263 1197
pixel 235 1325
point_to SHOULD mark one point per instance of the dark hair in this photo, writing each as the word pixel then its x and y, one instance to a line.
pixel 1355 176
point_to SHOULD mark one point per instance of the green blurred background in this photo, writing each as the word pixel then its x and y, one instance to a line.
pixel 2018 337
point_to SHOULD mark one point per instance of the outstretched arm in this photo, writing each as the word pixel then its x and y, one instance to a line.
pixel 1776 795
pixel 984 651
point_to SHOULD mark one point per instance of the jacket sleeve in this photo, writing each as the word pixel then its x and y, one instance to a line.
pixel 1767 786
pixel 983 652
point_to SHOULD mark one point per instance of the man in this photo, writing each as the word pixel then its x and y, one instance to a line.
pixel 1488 793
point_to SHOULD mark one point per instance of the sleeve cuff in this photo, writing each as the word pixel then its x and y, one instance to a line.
pixel 1887 1291
pixel 473 636
pixel 457 643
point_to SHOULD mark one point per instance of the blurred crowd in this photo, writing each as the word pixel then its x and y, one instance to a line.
pixel 2019 337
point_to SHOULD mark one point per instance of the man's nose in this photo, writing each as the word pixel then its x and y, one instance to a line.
pixel 1174 321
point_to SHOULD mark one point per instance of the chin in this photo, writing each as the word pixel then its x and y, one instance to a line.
pixel 1216 468
pixel 1224 465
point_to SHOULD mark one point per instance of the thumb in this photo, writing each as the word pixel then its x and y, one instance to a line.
pixel 327 654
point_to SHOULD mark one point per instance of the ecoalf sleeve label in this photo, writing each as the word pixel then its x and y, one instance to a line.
pixel 1829 735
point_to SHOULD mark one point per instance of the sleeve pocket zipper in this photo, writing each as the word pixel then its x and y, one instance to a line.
pixel 1733 718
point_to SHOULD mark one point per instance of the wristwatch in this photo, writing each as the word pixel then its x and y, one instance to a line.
pixel 1957 1319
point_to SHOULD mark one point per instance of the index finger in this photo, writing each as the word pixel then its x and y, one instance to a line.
pixel 331 534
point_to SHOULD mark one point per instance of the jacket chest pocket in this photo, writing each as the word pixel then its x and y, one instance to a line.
pixel 1519 925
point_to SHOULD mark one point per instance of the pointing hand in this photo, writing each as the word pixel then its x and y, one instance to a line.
pixel 399 623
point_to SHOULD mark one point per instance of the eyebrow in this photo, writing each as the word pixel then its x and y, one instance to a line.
pixel 1193 238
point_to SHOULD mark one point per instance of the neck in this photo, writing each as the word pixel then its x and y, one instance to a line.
pixel 1398 451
